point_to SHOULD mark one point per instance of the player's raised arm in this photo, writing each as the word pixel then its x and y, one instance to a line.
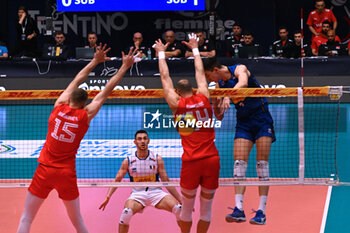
pixel 100 56
pixel 217 104
pixel 164 178
pixel 242 75
pixel 99 99
pixel 171 97
pixel 198 64
pixel 120 175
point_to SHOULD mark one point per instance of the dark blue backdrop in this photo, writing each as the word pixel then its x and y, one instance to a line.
pixel 116 28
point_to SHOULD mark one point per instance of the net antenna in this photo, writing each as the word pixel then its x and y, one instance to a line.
pixel 302 48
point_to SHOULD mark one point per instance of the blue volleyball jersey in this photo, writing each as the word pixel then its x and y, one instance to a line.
pixel 251 104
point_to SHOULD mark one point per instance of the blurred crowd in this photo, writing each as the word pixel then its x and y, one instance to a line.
pixel 240 43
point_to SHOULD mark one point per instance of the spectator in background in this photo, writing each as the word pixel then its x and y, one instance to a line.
pixel 282 47
pixel 92 40
pixel 27 32
pixel 174 48
pixel 3 51
pixel 205 47
pixel 332 47
pixel 234 39
pixel 316 17
pixel 59 50
pixel 296 47
pixel 138 44
pixel 248 42
pixel 322 38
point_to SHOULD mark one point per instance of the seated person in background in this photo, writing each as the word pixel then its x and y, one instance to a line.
pixel 332 47
pixel 234 39
pixel 3 51
pixel 58 50
pixel 282 47
pixel 141 49
pixel 296 48
pixel 206 49
pixel 248 48
pixel 317 16
pixel 174 48
pixel 92 40
pixel 322 38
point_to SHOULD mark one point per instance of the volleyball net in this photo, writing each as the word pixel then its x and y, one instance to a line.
pixel 306 123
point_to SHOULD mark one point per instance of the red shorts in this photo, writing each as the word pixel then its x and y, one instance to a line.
pixel 64 180
pixel 204 172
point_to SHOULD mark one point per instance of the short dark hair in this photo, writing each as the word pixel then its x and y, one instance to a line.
pixel 184 86
pixel 297 32
pixel 58 33
pixel 237 24
pixel 282 27
pixel 248 33
pixel 79 96
pixel 199 31
pixel 24 9
pixel 327 22
pixel 210 63
pixel 92 33
pixel 140 131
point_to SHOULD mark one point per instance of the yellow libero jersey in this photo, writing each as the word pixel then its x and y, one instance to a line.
pixel 143 170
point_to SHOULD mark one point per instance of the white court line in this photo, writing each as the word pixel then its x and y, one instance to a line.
pixel 325 210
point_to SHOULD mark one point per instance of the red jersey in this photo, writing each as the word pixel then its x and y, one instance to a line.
pixel 318 40
pixel 315 19
pixel 67 127
pixel 200 143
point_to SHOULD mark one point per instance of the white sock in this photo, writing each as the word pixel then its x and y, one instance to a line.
pixel 239 201
pixel 262 203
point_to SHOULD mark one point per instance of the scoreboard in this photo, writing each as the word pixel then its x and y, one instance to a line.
pixel 130 5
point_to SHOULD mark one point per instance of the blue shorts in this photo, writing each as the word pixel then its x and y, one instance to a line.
pixel 255 126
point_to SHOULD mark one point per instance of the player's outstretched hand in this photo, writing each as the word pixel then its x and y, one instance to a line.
pixel 225 105
pixel 192 41
pixel 159 46
pixel 104 204
pixel 101 53
pixel 129 59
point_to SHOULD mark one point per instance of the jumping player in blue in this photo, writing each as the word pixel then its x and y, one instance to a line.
pixel 254 125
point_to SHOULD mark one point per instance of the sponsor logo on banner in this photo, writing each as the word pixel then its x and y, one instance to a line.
pixel 273 86
pixel 99 84
pixel 76 23
pixel 170 148
pixel 4 148
pixel 197 20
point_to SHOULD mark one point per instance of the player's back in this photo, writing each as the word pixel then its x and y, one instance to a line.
pixel 67 127
pixel 200 143
pixel 250 105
